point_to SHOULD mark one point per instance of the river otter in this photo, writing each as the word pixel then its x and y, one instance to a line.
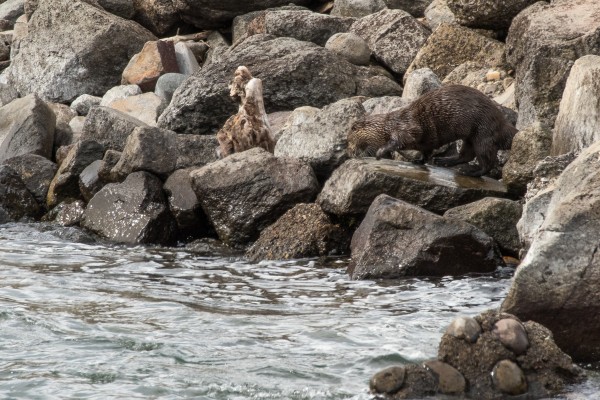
pixel 436 118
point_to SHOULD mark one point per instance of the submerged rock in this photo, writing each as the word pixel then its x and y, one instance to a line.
pixel 396 239
pixel 353 186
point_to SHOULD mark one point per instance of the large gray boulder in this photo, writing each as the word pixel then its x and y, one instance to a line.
pixel 394 37
pixel 216 13
pixel 26 127
pixel 299 24
pixel 530 145
pixel 158 16
pixel 543 42
pixel 397 239
pixel 319 137
pixel 148 149
pixel 36 172
pixel 16 202
pixel 487 14
pixel 73 48
pixel 109 127
pixel 416 8
pixel 578 117
pixel 10 10
pixel 350 46
pixel 134 211
pixel 353 186
pixel 7 94
pixel 287 69
pixel 496 217
pixel 556 284
pixel 437 13
pixel 244 193
pixel 451 45
pixel 419 82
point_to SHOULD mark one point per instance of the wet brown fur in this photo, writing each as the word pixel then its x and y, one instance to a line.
pixel 437 118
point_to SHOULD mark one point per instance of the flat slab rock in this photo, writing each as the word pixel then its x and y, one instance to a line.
pixel 353 187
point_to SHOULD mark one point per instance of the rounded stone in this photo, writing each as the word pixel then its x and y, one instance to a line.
pixel 167 84
pixel 465 328
pixel 450 380
pixel 351 47
pixel 512 335
pixel 509 378
pixel 84 103
pixel 389 380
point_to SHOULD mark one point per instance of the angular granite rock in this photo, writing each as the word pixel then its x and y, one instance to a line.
pixel 109 127
pixel 16 202
pixel 397 239
pixel 245 192
pixel 394 36
pixel 287 68
pixel 543 42
pixel 496 217
pixel 451 45
pixel 319 137
pixel 578 117
pixel 26 127
pixel 134 211
pixel 354 185
pixel 36 172
pixel 73 48
pixel 555 284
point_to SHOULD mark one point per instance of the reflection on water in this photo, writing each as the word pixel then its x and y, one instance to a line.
pixel 97 322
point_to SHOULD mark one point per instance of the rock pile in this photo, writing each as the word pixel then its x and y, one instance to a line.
pixel 109 113
pixel 492 356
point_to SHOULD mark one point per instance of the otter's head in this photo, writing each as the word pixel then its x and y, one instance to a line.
pixel 365 137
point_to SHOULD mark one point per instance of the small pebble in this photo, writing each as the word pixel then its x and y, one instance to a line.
pixel 512 335
pixel 508 377
pixel 464 328
pixel 388 381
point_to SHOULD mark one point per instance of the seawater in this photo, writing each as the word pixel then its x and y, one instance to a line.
pixel 103 321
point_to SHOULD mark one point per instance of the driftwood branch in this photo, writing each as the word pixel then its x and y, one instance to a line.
pixel 250 126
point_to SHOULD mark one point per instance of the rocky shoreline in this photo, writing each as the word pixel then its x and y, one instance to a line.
pixel 109 113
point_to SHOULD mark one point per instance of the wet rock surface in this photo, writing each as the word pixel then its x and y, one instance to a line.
pixel 246 192
pixel 134 211
pixel 16 202
pixel 485 369
pixel 353 186
pixel 283 240
pixel 36 172
pixel 397 239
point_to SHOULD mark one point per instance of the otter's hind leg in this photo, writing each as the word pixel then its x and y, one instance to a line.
pixel 486 158
pixel 466 154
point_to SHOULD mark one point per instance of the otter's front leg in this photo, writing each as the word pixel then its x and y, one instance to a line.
pixel 387 150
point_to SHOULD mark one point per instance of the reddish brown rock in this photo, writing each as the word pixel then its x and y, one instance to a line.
pixel 155 59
